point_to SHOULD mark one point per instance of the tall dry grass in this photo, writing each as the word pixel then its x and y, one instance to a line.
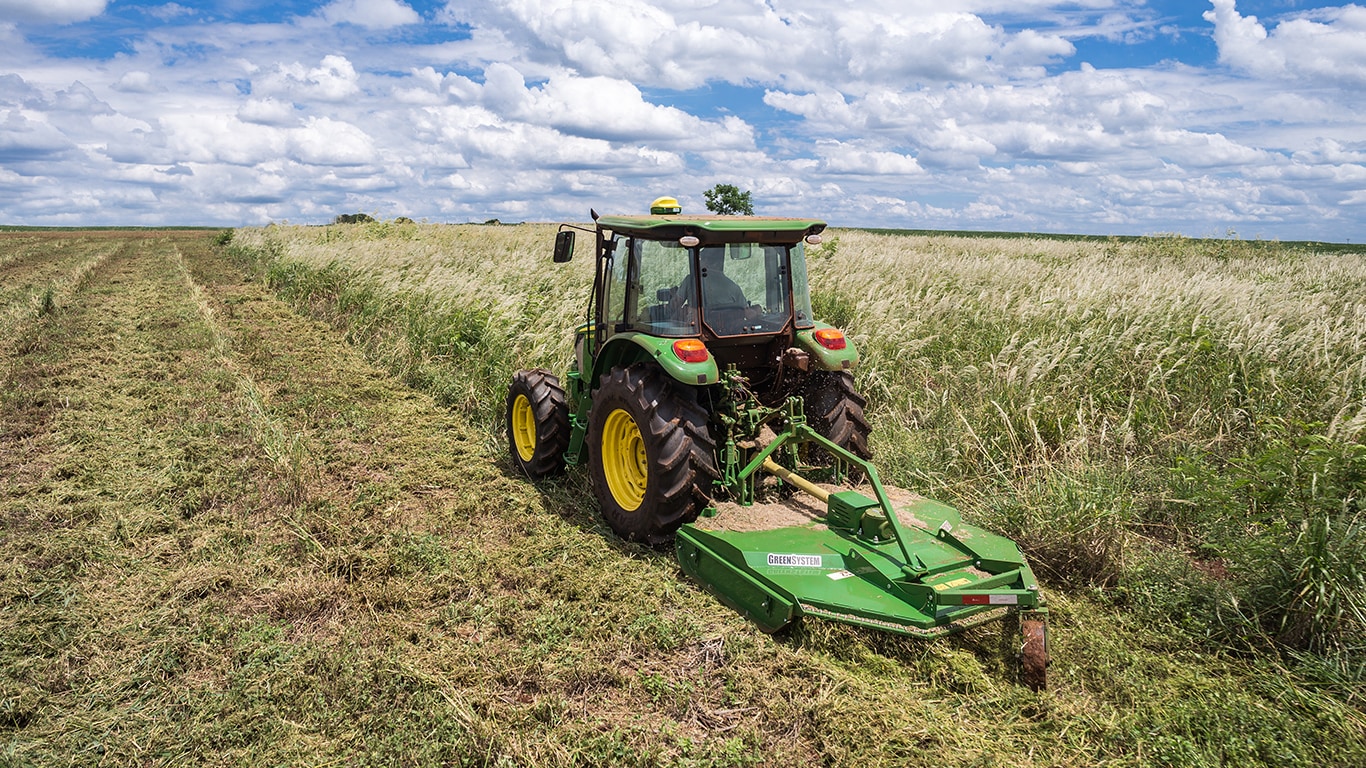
pixel 1174 422
pixel 1111 404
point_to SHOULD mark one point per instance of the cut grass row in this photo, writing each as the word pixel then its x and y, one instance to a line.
pixel 37 272
pixel 228 539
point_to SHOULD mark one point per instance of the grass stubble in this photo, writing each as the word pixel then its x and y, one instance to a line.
pixel 231 537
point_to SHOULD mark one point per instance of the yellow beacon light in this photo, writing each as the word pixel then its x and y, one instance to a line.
pixel 663 206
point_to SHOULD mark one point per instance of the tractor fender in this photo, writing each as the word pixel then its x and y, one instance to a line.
pixel 632 347
pixel 827 359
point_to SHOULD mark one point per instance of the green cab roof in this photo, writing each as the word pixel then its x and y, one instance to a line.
pixel 713 229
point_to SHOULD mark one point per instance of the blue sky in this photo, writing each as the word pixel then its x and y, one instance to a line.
pixel 1089 116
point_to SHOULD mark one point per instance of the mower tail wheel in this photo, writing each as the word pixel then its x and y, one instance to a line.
pixel 1034 653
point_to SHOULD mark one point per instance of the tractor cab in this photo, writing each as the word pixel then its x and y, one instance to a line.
pixel 735 284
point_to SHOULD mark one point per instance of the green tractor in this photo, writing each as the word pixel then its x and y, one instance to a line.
pixel 715 412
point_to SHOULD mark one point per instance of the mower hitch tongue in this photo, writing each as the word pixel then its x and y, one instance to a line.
pixel 687 399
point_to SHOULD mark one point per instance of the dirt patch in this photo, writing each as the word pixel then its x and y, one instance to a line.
pixel 763 516
pixel 1215 569
pixel 798 509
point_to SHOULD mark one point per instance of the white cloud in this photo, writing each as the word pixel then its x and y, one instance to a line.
pixel 1192 149
pixel 79 98
pixel 135 81
pixel 324 141
pixel 373 14
pixel 168 11
pixel 267 111
pixel 632 40
pixel 953 146
pixel 1327 45
pixel 14 90
pixel 841 158
pixel 51 11
pixel 493 144
pixel 683 46
pixel 24 138
pixel 879 46
pixel 825 110
pixel 605 108
pixel 334 79
pixel 211 138
pixel 1327 150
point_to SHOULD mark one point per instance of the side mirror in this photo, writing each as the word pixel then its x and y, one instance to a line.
pixel 564 246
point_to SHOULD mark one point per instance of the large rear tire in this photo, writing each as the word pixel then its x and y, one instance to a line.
pixel 537 423
pixel 651 456
pixel 835 410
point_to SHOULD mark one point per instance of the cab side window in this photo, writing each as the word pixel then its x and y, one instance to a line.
pixel 662 279
pixel 615 285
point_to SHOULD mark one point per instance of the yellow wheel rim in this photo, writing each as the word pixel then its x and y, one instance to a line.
pixel 623 460
pixel 523 428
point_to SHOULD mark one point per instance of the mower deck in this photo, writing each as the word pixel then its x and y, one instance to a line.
pixel 948 577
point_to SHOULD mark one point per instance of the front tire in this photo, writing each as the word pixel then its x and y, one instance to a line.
pixel 537 423
pixel 651 456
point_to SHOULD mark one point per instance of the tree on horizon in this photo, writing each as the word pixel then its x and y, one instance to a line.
pixel 728 200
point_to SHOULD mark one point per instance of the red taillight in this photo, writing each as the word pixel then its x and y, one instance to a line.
pixel 690 351
pixel 831 339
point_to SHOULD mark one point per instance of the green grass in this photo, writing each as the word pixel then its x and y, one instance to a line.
pixel 249 531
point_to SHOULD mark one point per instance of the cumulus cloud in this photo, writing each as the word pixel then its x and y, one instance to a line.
pixel 135 81
pixel 16 91
pixel 604 108
pixel 373 14
pixel 334 79
pixel 424 85
pixel 683 46
pixel 1328 44
pixel 638 41
pixel 324 141
pixel 80 99
pixel 51 11
pixel 24 139
pixel 267 111
pixel 211 139
pixel 845 158
pixel 938 47
pixel 480 136
pixel 168 11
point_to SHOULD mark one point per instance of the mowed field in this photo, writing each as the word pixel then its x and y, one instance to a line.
pixel 254 510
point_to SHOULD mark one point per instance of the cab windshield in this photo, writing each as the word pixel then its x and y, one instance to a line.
pixel 739 288
pixel 744 288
